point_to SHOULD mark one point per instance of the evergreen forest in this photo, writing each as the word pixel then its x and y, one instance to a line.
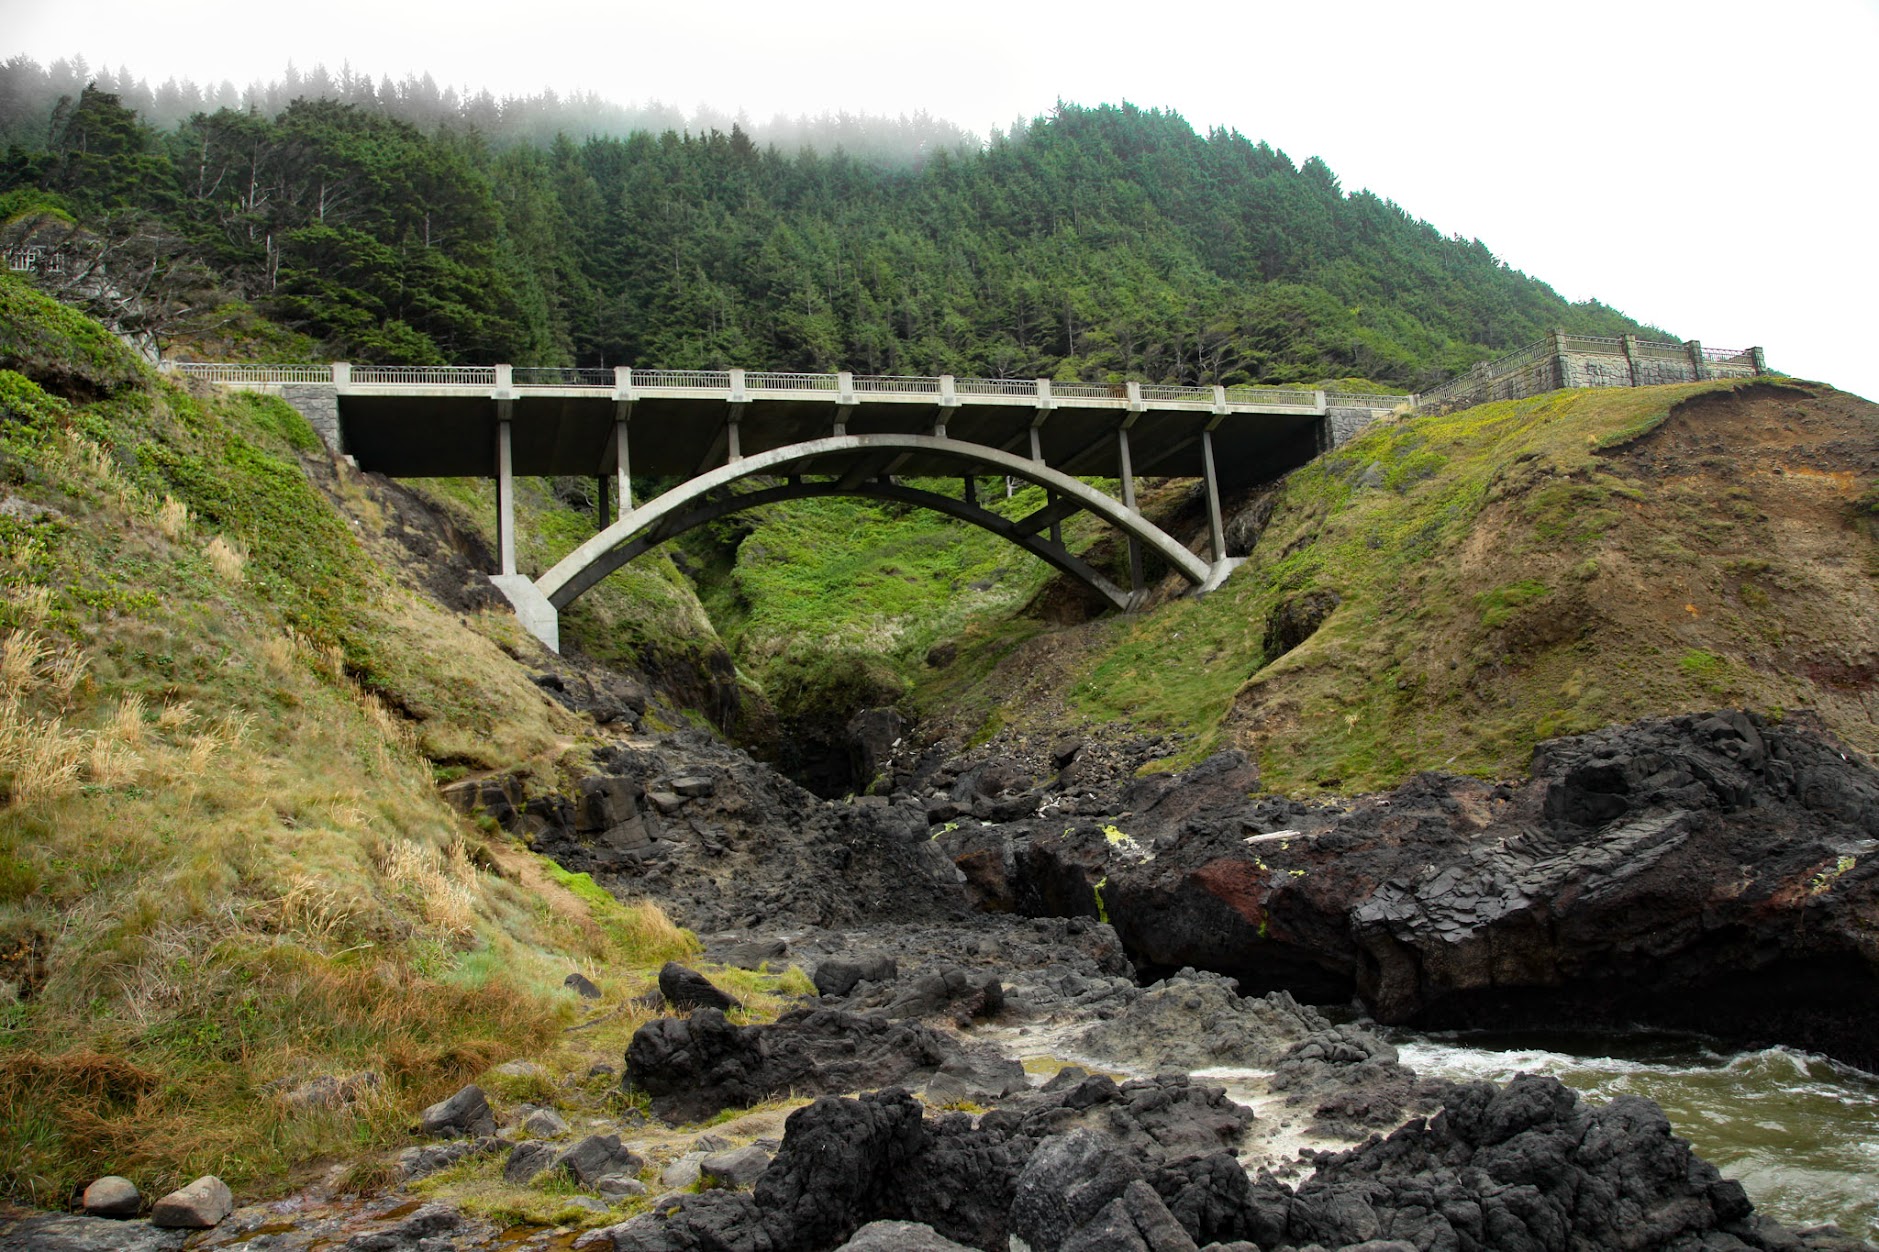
pixel 1096 243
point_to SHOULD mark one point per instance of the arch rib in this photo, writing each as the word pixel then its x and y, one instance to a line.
pixel 593 560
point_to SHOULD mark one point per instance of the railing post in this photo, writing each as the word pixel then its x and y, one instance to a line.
pixel 1220 401
pixel 1630 343
pixel 1699 369
pixel 342 374
pixel 844 400
pixel 505 382
pixel 739 399
pixel 623 384
pixel 948 401
pixel 1135 398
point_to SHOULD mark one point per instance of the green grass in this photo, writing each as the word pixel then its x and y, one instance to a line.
pixel 223 861
pixel 1401 676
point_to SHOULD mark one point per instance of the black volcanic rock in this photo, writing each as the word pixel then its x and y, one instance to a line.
pixel 1706 871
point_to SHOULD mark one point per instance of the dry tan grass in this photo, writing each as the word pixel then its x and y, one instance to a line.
pixel 442 884
pixel 31 603
pixel 173 519
pixel 227 558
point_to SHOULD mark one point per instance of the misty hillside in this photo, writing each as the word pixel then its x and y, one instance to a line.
pixel 1096 243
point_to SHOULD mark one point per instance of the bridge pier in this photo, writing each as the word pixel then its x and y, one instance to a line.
pixel 1128 502
pixel 505 491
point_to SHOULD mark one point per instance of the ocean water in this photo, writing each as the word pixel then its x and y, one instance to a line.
pixel 1799 1131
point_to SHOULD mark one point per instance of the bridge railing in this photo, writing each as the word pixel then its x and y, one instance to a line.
pixel 423 375
pixel 1024 387
pixel 1364 400
pixel 772 382
pixel 254 374
pixel 1170 394
pixel 560 376
pixel 888 384
pixel 654 380
pixel 1270 395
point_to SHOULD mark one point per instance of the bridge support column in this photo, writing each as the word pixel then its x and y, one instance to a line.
pixel 1128 502
pixel 1216 533
pixel 622 467
pixel 505 490
pixel 532 609
pixel 1037 454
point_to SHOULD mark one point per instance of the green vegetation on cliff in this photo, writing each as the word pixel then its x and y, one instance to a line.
pixel 225 869
pixel 1097 243
pixel 1471 584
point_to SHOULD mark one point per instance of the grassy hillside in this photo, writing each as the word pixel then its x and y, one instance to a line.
pixel 224 868
pixel 1503 574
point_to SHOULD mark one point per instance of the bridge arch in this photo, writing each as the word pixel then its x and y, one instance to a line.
pixel 867 462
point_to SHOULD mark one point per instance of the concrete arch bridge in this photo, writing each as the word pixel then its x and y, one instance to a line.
pixel 736 439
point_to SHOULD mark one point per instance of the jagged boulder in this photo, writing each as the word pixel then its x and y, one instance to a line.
pixel 694 1067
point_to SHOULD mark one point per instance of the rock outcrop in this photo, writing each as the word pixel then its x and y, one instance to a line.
pixel 1708 871
pixel 1529 1167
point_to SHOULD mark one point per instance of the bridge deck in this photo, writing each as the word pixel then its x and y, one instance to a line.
pixel 443 422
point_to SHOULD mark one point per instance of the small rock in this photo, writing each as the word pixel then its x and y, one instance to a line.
pixel 900 1237
pixel 201 1204
pixel 755 953
pixel 528 1159
pixel 427 1158
pixel 581 983
pixel 739 1168
pixel 693 786
pixel 521 1069
pixel 112 1196
pixel 709 1142
pixel 600 1069
pixel 597 1156
pixel 545 1124
pixel 688 989
pixel 586 1202
pixel 840 975
pixel 666 802
pixel 465 1113
pixel 619 1187
pixel 682 1172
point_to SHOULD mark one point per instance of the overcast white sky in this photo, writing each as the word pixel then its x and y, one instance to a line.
pixel 1712 166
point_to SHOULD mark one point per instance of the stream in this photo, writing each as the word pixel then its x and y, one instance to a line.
pixel 1799 1131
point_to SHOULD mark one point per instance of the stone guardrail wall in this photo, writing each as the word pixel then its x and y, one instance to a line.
pixel 1563 360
